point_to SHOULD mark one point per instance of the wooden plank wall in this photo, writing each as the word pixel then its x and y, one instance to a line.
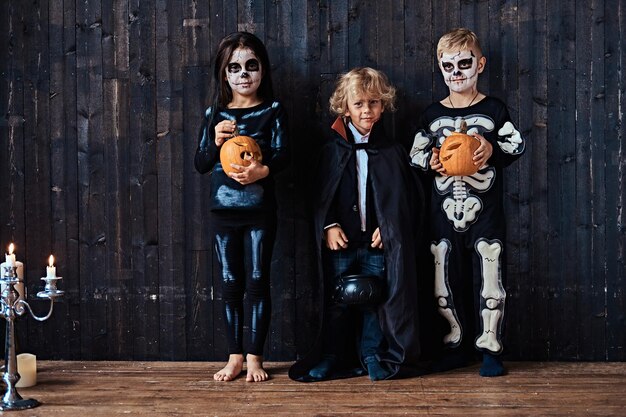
pixel 100 107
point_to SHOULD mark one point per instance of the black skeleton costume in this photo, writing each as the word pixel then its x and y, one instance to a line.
pixel 468 222
pixel 243 218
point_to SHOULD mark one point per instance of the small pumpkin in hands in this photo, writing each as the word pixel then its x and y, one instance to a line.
pixel 457 152
pixel 239 150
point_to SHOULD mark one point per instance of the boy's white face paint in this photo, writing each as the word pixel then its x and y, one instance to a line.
pixel 460 70
pixel 244 72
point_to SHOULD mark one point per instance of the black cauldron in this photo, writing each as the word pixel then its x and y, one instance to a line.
pixel 360 290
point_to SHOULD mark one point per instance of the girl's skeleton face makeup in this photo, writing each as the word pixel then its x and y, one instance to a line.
pixel 244 72
pixel 460 70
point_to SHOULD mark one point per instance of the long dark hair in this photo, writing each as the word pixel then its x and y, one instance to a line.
pixel 223 92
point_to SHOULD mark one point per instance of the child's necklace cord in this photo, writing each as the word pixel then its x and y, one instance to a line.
pixel 470 103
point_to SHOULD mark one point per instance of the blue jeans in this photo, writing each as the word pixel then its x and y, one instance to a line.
pixel 343 262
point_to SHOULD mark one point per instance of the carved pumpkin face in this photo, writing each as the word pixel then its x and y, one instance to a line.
pixel 239 150
pixel 457 152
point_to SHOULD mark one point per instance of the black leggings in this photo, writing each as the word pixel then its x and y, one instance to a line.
pixel 244 252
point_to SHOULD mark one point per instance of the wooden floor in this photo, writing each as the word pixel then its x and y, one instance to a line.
pixel 88 389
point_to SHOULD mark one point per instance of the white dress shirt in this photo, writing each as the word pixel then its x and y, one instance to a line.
pixel 361 173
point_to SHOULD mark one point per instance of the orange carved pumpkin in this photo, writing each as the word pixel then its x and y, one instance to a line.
pixel 239 150
pixel 457 152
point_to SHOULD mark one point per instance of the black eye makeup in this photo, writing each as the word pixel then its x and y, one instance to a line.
pixel 252 65
pixel 447 66
pixel 466 63
pixel 233 67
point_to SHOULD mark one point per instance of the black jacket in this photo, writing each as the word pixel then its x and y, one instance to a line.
pixel 344 208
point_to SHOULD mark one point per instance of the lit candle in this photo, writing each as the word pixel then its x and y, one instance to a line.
pixel 51 270
pixel 10 261
pixel 27 368
pixel 10 257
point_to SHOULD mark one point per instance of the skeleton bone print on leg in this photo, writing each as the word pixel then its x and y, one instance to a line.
pixel 492 295
pixel 441 251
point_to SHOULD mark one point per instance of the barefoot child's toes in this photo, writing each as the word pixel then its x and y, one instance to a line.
pixel 256 373
pixel 232 369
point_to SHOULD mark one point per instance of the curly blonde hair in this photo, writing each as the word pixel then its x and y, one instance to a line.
pixel 459 39
pixel 364 81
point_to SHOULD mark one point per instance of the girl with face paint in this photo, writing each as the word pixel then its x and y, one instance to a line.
pixel 467 212
pixel 243 73
pixel 242 204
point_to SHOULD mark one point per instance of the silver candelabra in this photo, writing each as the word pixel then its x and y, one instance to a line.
pixel 12 306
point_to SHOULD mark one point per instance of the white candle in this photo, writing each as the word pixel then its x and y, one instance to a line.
pixel 10 257
pixel 27 368
pixel 51 270
pixel 11 262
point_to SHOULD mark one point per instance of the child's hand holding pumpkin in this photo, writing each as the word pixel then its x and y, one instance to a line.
pixel 484 151
pixel 249 174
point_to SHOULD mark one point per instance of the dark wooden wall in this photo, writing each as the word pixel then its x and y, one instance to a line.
pixel 100 107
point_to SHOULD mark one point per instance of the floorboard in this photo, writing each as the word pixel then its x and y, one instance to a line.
pixel 89 389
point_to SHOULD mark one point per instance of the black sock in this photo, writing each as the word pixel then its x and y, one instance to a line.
pixel 492 366
pixel 324 367
pixel 375 369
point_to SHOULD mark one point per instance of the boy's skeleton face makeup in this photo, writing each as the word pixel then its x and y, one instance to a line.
pixel 244 72
pixel 460 70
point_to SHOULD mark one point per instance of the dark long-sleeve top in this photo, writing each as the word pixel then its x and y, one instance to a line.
pixel 490 118
pixel 267 124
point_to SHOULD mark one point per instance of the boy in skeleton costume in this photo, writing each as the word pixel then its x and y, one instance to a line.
pixel 468 221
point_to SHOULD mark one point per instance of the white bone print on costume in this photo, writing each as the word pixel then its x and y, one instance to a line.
pixel 419 157
pixel 445 126
pixel 441 251
pixel 442 128
pixel 463 209
pixel 492 294
pixel 513 142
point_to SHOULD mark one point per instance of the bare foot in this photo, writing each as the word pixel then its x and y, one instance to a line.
pixel 232 369
pixel 256 373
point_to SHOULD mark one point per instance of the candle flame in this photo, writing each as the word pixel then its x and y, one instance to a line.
pixel 11 248
pixel 51 261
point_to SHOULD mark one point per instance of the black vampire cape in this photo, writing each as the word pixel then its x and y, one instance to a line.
pixel 398 201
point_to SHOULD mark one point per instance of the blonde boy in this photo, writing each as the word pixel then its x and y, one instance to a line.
pixel 467 212
pixel 365 225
